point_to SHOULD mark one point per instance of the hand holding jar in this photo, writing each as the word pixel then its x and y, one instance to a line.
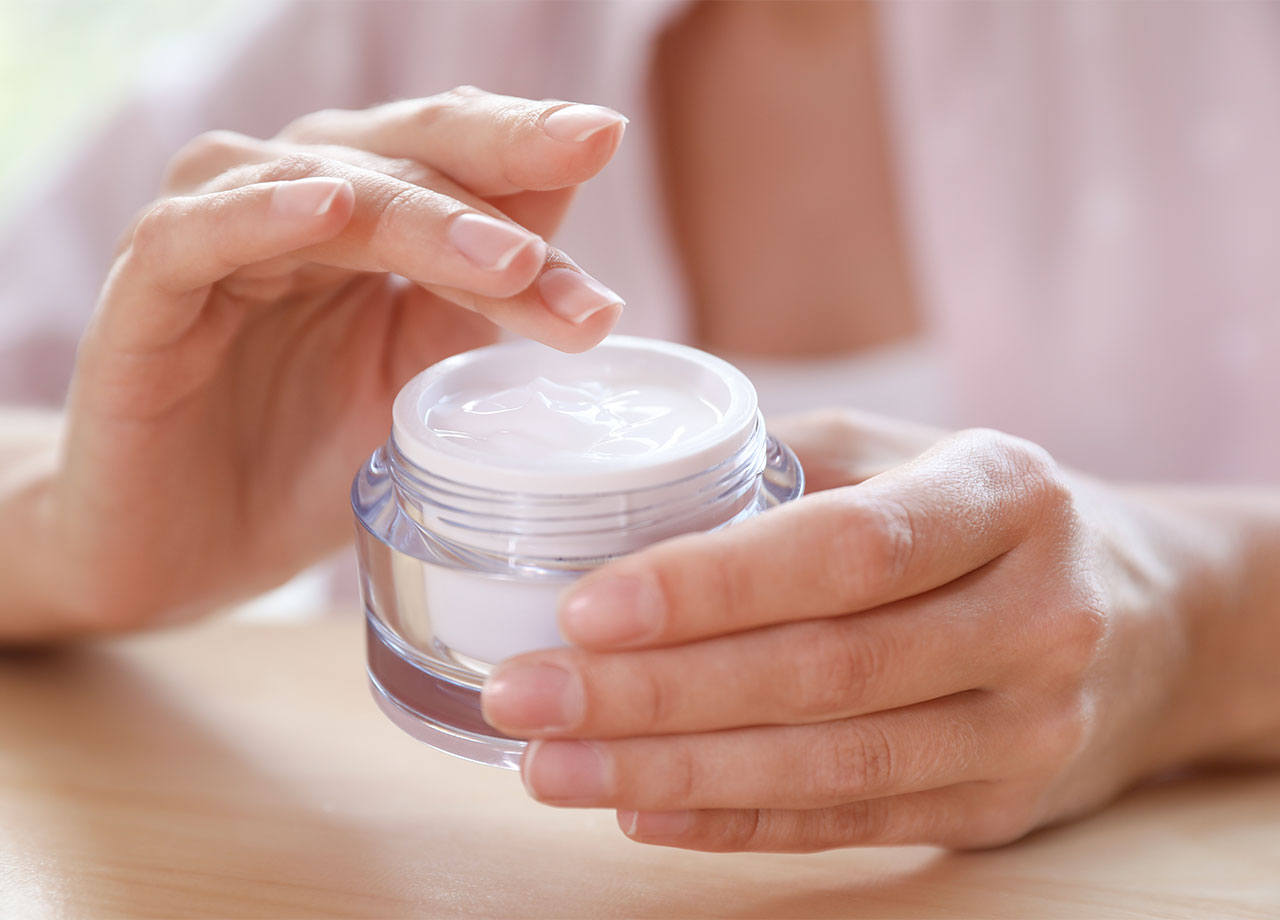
pixel 953 641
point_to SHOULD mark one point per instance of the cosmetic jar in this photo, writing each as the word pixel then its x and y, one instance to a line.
pixel 511 471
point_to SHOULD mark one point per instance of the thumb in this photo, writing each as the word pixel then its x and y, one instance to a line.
pixel 842 447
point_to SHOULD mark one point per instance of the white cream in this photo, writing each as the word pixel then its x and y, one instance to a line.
pixel 572 421
pixel 523 418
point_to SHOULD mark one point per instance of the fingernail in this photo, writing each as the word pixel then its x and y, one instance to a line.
pixel 575 123
pixel 573 295
pixel 566 772
pixel 305 198
pixel 654 823
pixel 488 242
pixel 531 697
pixel 617 611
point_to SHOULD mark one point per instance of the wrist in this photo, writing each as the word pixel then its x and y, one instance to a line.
pixel 1218 569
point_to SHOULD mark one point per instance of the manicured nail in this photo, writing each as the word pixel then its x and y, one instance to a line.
pixel 298 199
pixel 533 697
pixel 573 295
pixel 654 823
pixel 566 772
pixel 615 612
pixel 575 123
pixel 490 243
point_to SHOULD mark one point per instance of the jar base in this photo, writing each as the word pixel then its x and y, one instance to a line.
pixel 494 752
pixel 437 711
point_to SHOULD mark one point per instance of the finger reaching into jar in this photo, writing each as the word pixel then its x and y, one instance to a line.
pixel 259 320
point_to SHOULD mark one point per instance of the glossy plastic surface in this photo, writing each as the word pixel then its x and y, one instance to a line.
pixel 441 613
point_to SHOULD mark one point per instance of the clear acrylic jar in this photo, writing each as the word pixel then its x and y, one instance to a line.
pixel 463 556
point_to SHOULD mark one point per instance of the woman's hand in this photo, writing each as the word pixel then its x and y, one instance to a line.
pixel 949 644
pixel 258 322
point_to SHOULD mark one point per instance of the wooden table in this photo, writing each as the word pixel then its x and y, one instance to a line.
pixel 241 770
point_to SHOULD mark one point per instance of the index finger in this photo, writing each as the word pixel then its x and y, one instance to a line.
pixel 956 507
pixel 494 145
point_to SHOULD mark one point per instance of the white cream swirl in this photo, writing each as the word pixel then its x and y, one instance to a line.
pixel 572 419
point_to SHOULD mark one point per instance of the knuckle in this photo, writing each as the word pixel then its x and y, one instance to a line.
pixel 894 539
pixel 1023 467
pixel 396 203
pixel 153 233
pixel 872 545
pixel 844 667
pixel 747 829
pixel 1020 478
pixel 414 172
pixel 514 110
pixel 650 701
pixel 512 118
pixel 855 759
pixel 204 155
pixel 151 227
pixel 1084 631
pixel 720 587
pixel 857 822
pixel 794 832
pixel 1058 734
pixel 433 109
pixel 1047 489
pixel 313 126
pixel 1090 607
pixel 216 142
pixel 1070 632
pixel 966 745
pixel 681 780
pixel 295 165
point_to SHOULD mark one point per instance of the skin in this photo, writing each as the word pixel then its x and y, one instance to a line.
pixel 952 640
pixel 246 349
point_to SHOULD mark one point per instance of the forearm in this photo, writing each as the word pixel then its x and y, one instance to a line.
pixel 1222 554
pixel 30 606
